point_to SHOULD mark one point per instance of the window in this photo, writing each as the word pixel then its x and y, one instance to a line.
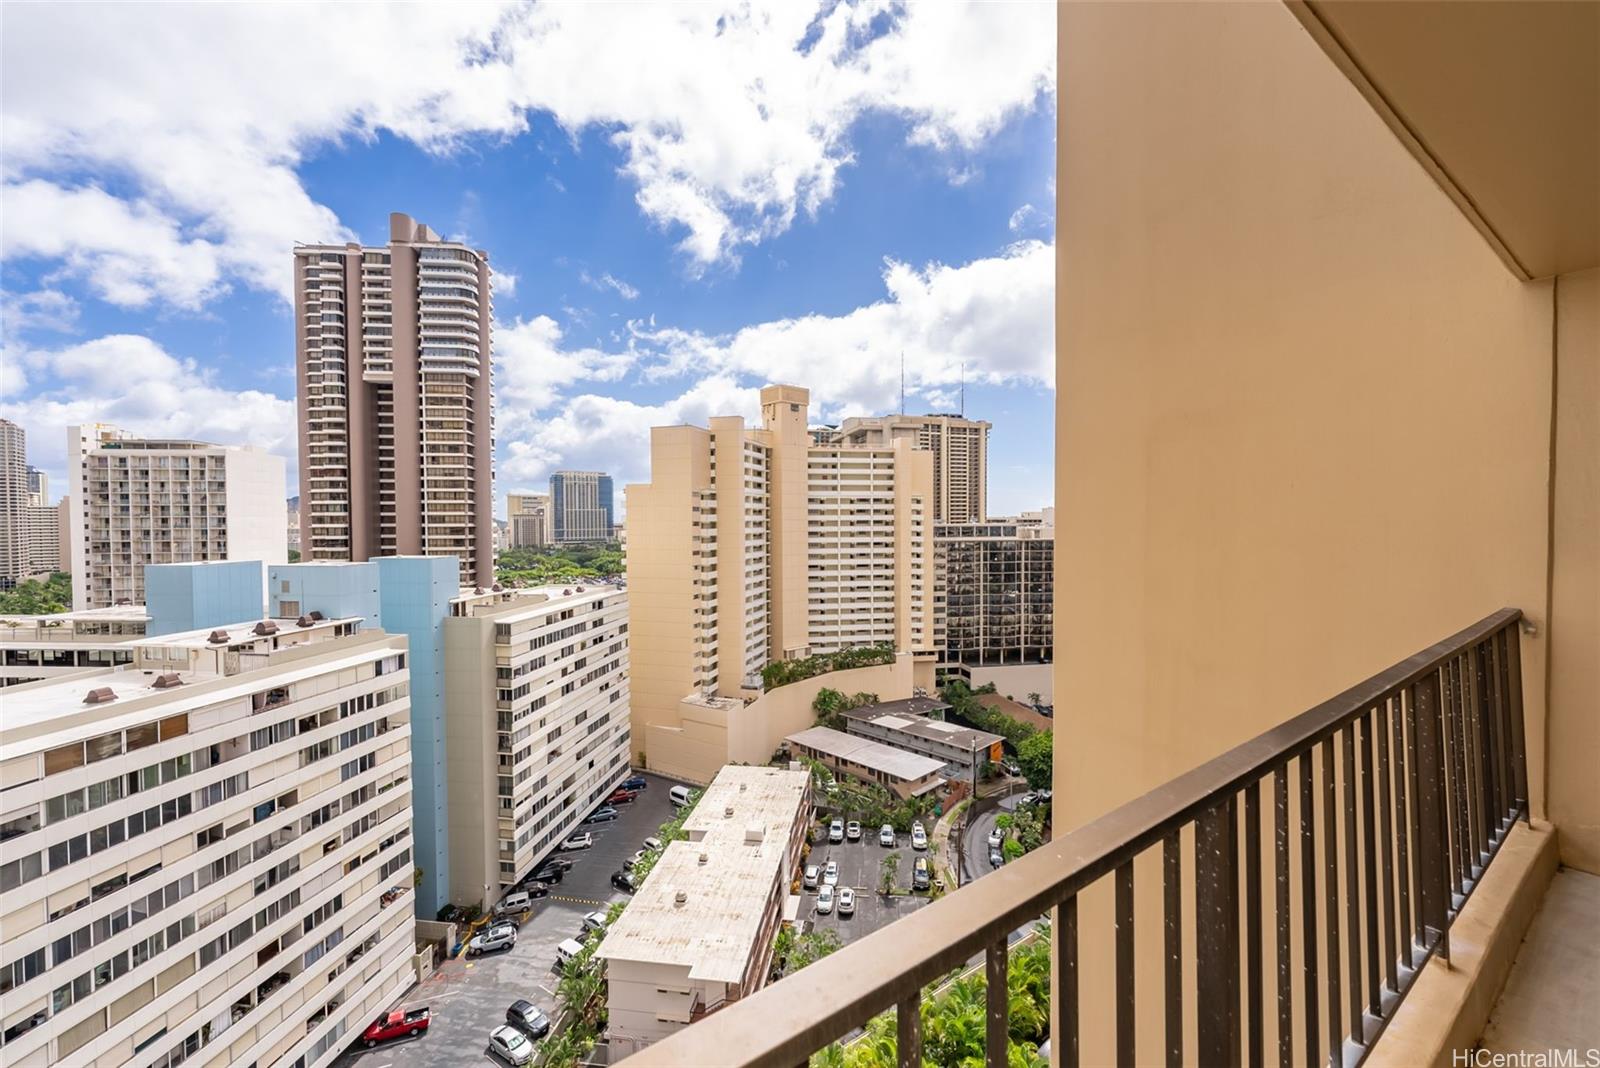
pixel 144 735
pixel 63 759
pixel 14 873
pixel 173 726
pixel 105 746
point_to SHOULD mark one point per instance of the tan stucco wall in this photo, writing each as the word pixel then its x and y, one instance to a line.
pixel 470 743
pixel 707 738
pixel 1574 725
pixel 1302 407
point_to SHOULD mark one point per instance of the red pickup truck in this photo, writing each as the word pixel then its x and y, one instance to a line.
pixel 395 1024
pixel 621 796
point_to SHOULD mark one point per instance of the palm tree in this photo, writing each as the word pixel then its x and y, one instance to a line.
pixel 1034 699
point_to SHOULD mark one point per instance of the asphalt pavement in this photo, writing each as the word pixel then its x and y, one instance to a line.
pixel 975 844
pixel 860 867
pixel 468 997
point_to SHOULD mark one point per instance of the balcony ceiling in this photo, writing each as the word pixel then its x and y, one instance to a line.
pixel 1499 100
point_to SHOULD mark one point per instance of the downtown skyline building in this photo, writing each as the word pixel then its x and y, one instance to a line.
pixel 529 520
pixel 136 501
pixel 581 508
pixel 14 504
pixel 394 399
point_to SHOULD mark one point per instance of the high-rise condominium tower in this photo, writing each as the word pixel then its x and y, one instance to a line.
pixel 396 431
pixel 530 520
pixel 960 448
pixel 580 504
pixel 13 504
pixel 755 544
pixel 138 501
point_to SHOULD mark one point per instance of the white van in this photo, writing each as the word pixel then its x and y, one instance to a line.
pixel 679 796
pixel 566 951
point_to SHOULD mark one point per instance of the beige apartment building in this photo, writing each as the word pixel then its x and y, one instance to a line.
pixel 754 544
pixel 42 647
pixel 207 852
pixel 960 448
pixel 536 725
pixel 1328 568
pixel 394 400
pixel 530 520
pixel 698 936
pixel 138 501
pixel 14 502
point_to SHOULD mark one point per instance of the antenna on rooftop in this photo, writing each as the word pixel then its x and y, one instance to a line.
pixel 963 389
pixel 902 381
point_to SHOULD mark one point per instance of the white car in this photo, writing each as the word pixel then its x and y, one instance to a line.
pixel 594 921
pixel 919 837
pixel 852 831
pixel 836 831
pixel 825 900
pixel 847 901
pixel 995 838
pixel 886 835
pixel 500 936
pixel 510 1045
pixel 579 841
pixel 830 874
pixel 813 873
pixel 652 843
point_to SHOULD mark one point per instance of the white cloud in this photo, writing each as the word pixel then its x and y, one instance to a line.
pixel 42 309
pixel 131 381
pixel 731 119
pixel 1020 218
pixel 608 281
pixel 989 321
pixel 505 282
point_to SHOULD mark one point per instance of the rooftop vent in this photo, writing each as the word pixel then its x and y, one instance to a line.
pixel 167 681
pixel 580 589
pixel 704 858
pixel 304 621
pixel 265 627
pixel 727 811
pixel 122 601
pixel 567 592
pixel 99 696
pixel 218 637
pixel 681 898
pixel 754 834
pixel 497 587
pixel 316 615
pixel 477 589
pixel 743 787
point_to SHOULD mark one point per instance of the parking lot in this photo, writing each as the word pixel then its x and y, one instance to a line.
pixel 860 865
pixel 468 996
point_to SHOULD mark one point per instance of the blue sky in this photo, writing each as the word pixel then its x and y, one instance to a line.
pixel 679 207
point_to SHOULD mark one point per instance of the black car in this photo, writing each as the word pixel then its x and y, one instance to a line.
pixel 534 888
pixel 526 1017
pixel 638 782
pixel 624 881
pixel 547 873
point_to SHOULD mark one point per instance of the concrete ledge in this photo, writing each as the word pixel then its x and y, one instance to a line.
pixel 1449 1005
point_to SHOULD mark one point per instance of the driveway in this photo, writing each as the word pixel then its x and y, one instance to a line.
pixel 469 997
pixel 975 844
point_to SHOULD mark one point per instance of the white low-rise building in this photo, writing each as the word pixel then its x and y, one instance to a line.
pixel 699 933
pixel 207 853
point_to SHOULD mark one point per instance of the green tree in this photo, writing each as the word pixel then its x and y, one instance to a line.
pixel 828 704
pixel 888 868
pixel 294 556
pixel 1033 698
pixel 35 598
pixel 1035 757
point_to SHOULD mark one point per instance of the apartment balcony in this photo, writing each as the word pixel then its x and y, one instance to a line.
pixel 1319 894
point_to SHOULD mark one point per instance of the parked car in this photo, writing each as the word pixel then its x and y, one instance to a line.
pixel 603 814
pixel 579 841
pixel 996 836
pixel 622 797
pixel 624 881
pixel 528 1018
pixel 653 843
pixel 566 951
pixel 679 796
pixel 638 782
pixel 396 1024
pixel 594 921
pixel 511 1046
pixel 513 903
pixel 499 936
pixel 633 861
pixel 825 900
pixel 919 837
pixel 852 831
pixel 996 858
pixel 830 874
pixel 812 874
pixel 546 873
pixel 921 873
pixel 836 831
pixel 1010 768
pixel 847 901
pixel 534 888
pixel 886 835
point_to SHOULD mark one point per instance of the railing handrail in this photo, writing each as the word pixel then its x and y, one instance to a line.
pixel 784 1023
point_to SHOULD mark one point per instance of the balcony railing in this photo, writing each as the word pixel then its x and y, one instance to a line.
pixel 1411 780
